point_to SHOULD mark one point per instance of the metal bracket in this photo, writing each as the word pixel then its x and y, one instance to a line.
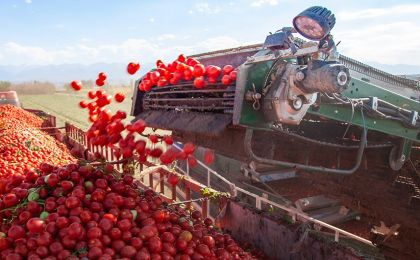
pixel 248 149
pixel 399 154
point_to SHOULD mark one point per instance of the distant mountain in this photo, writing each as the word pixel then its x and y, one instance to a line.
pixel 64 73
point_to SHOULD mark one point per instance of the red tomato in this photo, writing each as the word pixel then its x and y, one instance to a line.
pixel 199 82
pixel 100 82
pixel 189 148
pixel 35 225
pixel 92 94
pixel 94 232
pixel 199 70
pixel 192 162
pixel 226 80
pixel 102 76
pixel 16 232
pixel 181 58
pixel 208 156
pixel 213 71
pixel 173 179
pixel 153 138
pixel 119 97
pixel 132 68
pixel 227 69
pixel 233 75
pixel 76 85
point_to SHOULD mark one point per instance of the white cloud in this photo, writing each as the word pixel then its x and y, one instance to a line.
pixel 165 37
pixel 205 8
pixel 28 1
pixel 218 43
pixel 388 43
pixel 379 12
pixel 152 20
pixel 257 3
pixel 87 52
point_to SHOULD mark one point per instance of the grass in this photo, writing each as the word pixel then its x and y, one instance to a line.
pixel 65 106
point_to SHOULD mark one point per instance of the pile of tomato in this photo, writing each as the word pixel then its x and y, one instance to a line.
pixel 78 211
pixel 187 69
pixel 23 145
pixel 55 207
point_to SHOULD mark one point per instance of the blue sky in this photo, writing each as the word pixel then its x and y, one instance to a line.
pixel 39 32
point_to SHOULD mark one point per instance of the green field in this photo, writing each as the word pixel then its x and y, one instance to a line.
pixel 65 106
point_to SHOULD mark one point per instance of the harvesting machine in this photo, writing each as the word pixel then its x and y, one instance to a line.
pixel 287 89
pixel 349 130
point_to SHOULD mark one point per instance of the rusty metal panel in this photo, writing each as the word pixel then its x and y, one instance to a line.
pixel 191 122
pixel 276 238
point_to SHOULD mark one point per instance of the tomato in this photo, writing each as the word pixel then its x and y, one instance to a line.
pixel 199 70
pixel 16 232
pixel 75 230
pixel 213 71
pixel 233 75
pixel 10 200
pixel 67 185
pixel 35 225
pixel 209 157
pixel 148 232
pixel 132 68
pixel 44 239
pixel 117 244
pixel 100 82
pixel 24 216
pixel 157 152
pixel 227 69
pixel 72 202
pixel 62 222
pixel 199 82
pixel 226 80
pixel 105 224
pixel 119 97
pixel 124 225
pixel 95 253
pixel 173 179
pixel 94 232
pixel 153 138
pixel 192 161
pixel 136 242
pixel 181 244
pixel 186 235
pixel 76 85
pixel 102 76
pixel 56 247
pixel 154 244
pixel 189 148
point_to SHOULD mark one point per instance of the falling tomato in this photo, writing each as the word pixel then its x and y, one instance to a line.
pixel 208 156
pixel 133 67
pixel 102 76
pixel 76 85
pixel 119 97
pixel 83 104
pixel 100 82
pixel 192 162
